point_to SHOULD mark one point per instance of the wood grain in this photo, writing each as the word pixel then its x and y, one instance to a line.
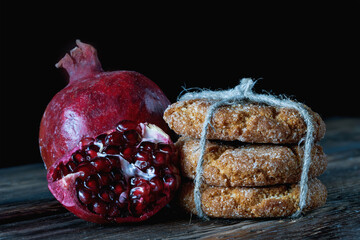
pixel 29 211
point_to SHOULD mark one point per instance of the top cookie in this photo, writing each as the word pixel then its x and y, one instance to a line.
pixel 246 122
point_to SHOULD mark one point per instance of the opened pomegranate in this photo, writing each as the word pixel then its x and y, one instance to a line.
pixel 94 101
pixel 124 175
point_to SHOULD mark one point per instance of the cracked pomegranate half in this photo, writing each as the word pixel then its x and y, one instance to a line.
pixel 124 175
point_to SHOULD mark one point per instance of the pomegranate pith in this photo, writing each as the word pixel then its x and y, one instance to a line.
pixel 117 178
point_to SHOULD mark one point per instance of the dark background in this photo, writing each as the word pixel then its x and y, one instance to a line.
pixel 308 52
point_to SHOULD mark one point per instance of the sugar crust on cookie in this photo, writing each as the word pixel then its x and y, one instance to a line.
pixel 241 202
pixel 248 165
pixel 246 122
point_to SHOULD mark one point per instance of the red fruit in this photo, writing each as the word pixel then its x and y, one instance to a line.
pixel 93 102
pixel 109 188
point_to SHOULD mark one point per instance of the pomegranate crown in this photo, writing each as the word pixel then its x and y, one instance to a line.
pixel 81 62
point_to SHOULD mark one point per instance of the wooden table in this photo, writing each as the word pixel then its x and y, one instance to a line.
pixel 29 211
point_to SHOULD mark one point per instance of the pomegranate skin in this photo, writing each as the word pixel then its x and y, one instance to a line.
pixel 95 101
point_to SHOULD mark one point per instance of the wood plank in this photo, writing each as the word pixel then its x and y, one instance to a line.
pixel 28 210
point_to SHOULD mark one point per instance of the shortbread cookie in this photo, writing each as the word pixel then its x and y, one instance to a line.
pixel 230 165
pixel 274 201
pixel 246 122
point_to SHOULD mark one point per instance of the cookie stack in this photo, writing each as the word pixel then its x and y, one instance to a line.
pixel 252 163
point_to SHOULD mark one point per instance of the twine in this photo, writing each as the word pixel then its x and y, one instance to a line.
pixel 240 93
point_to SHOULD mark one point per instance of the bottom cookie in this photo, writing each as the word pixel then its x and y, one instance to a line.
pixel 260 202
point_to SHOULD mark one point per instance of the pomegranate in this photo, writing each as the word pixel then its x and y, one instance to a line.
pixel 126 174
pixel 94 101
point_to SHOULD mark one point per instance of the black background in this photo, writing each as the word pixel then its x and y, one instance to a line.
pixel 308 52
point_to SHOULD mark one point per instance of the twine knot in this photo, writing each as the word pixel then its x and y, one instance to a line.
pixel 245 87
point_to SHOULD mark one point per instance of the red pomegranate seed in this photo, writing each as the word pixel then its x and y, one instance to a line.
pixel 127 125
pixel 78 156
pixel 71 165
pixel 107 195
pixel 132 137
pixel 112 150
pixel 86 169
pixel 113 161
pixel 64 169
pixel 86 142
pixel 128 153
pixel 147 146
pixel 171 169
pixel 84 196
pixel 141 190
pixel 170 182
pixel 142 156
pixel 116 176
pixel 101 164
pixel 138 206
pixel 166 148
pixel 92 154
pixel 160 159
pixel 100 207
pixel 114 139
pixel 93 147
pixel 92 184
pixel 156 185
pixel 118 189
pixel 57 173
pixel 104 179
